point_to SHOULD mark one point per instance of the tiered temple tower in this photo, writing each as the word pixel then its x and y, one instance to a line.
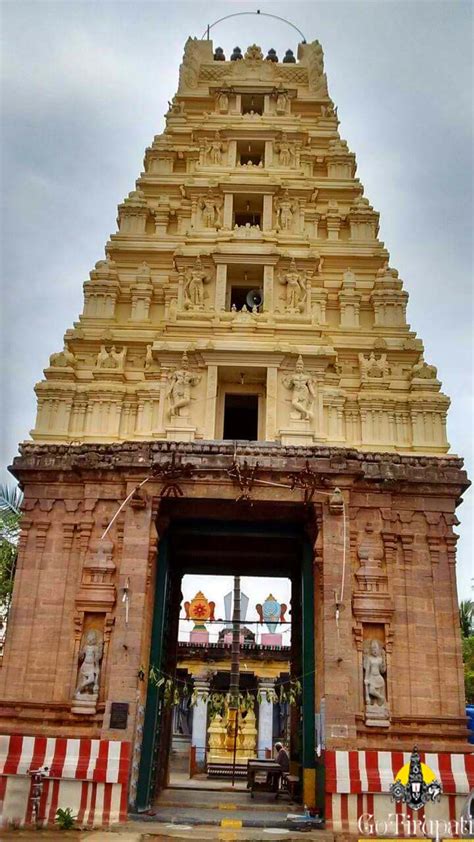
pixel 242 367
pixel 249 195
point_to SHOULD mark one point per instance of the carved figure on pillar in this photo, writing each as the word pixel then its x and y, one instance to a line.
pixel 215 149
pixel 222 101
pixel 179 389
pixel 210 208
pixel 285 212
pixel 285 151
pixel 375 668
pixel 295 298
pixel 87 685
pixel 193 290
pixel 301 385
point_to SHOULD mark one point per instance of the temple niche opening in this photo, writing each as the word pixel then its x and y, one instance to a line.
pixel 241 397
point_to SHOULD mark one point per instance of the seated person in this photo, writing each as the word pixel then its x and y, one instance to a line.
pixel 282 757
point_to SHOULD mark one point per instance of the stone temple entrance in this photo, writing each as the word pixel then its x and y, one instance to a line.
pixel 248 546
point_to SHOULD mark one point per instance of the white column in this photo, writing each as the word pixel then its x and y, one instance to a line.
pixel 199 730
pixel 265 718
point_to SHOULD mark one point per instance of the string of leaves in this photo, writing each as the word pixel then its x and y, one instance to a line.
pixel 176 691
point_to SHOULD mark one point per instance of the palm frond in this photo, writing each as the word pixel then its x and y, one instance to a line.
pixel 11 499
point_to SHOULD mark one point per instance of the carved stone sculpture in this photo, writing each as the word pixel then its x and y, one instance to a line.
pixel 63 359
pixel 193 290
pixel 373 367
pixel 215 149
pixel 285 210
pixel 285 151
pixel 111 359
pixel 301 385
pixel 210 208
pixel 149 358
pixel 375 694
pixel 424 371
pixel 179 389
pixel 281 100
pixel 295 297
pixel 88 676
pixel 223 101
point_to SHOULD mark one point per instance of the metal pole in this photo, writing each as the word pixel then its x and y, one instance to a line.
pixel 235 671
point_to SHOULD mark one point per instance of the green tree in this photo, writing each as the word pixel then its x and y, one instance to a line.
pixel 466 621
pixel 10 514
pixel 466 617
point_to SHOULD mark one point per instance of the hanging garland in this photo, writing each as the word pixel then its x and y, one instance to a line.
pixel 175 691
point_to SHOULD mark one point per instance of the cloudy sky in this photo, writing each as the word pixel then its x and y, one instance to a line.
pixel 85 87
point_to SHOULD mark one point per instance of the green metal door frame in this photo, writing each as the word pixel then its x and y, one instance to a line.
pixel 308 682
pixel 145 773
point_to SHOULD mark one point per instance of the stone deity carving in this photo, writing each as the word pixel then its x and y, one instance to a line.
pixel 193 290
pixel 63 358
pixel 295 296
pixel 375 668
pixel 281 97
pixel 210 211
pixel 285 151
pixel 424 370
pixel 223 101
pixel 111 359
pixel 149 358
pixel 179 388
pixel 215 149
pixel 90 657
pixel 303 394
pixel 373 367
pixel 285 210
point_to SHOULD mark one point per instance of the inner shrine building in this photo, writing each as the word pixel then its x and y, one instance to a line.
pixel 241 395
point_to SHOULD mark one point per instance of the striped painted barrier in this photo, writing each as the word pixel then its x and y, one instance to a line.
pixel 358 785
pixel 89 776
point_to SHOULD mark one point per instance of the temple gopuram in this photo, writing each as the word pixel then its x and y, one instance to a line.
pixel 242 395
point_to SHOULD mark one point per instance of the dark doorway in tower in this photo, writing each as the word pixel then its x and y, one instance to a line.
pixel 203 547
pixel 241 417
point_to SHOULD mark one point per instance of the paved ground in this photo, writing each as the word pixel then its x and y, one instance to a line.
pixel 142 833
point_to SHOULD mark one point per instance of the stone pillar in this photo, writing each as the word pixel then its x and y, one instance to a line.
pixel 228 211
pixel 268 153
pixel 232 153
pixel 221 284
pixel 265 717
pixel 271 404
pixel 267 216
pixel 199 730
pixel 211 403
pixel 268 282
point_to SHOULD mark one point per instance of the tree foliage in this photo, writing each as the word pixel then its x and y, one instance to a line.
pixel 10 514
pixel 466 621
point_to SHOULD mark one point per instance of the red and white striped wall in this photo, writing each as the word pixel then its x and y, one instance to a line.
pixel 90 776
pixel 358 782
